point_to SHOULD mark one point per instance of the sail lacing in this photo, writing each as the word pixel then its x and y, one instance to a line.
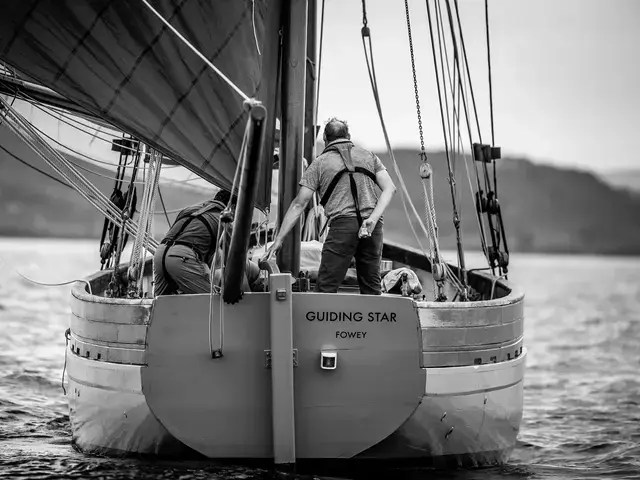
pixel 24 130
pixel 196 51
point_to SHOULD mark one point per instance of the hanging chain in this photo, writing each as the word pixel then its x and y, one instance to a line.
pixel 426 174
pixel 423 154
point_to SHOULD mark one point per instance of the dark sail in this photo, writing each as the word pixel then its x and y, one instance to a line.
pixel 119 61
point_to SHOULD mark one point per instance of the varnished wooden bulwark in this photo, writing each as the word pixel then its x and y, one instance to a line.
pixel 107 351
pixel 471 333
pixel 111 330
pixel 450 357
pixel 108 332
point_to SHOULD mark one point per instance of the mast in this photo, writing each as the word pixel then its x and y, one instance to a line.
pixel 269 94
pixel 310 116
pixel 292 128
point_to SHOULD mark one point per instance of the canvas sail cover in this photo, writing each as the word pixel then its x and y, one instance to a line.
pixel 119 61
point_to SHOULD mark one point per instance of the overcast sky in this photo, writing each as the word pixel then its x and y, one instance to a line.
pixel 566 76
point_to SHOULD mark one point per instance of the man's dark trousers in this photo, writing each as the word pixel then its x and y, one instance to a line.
pixel 342 244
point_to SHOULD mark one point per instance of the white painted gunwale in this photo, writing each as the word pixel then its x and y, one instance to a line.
pixel 105 375
pixel 471 379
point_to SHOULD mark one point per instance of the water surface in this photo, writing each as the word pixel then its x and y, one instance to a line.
pixel 582 384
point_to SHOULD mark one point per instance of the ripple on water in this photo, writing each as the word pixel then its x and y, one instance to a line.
pixel 582 389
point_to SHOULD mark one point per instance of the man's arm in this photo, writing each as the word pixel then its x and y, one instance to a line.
pixel 388 189
pixel 293 214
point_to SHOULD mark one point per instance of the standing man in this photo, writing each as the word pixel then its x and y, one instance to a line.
pixel 345 177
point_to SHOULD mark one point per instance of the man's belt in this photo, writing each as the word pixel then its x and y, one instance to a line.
pixel 171 243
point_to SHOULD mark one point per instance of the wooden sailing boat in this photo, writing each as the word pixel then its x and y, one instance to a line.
pixel 285 374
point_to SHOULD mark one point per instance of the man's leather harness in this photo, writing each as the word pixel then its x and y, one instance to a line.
pixel 174 239
pixel 345 154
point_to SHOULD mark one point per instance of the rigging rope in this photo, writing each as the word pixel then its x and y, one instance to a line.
pixel 456 121
pixel 126 213
pixel 35 168
pixel 24 130
pixel 195 50
pixel 219 254
pixel 493 139
pixel 468 70
pixel 404 194
pixel 80 154
pixel 426 174
pixel 452 183
pixel 486 16
pixel 145 219
pixel 59 115
pixel 488 204
pixel 164 209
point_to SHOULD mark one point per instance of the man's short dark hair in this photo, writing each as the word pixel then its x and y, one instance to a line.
pixel 336 129
pixel 223 196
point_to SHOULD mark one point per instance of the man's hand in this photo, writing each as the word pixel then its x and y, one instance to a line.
pixel 271 251
pixel 366 229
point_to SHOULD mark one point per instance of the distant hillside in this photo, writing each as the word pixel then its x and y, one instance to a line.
pixel 626 179
pixel 545 209
pixel 33 205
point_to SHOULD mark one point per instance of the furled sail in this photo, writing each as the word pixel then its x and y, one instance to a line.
pixel 119 61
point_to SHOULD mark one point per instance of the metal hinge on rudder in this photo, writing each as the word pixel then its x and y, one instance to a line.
pixel 267 358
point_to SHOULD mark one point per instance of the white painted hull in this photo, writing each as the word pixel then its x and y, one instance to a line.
pixel 462 421
pixel 450 426
pixel 466 415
